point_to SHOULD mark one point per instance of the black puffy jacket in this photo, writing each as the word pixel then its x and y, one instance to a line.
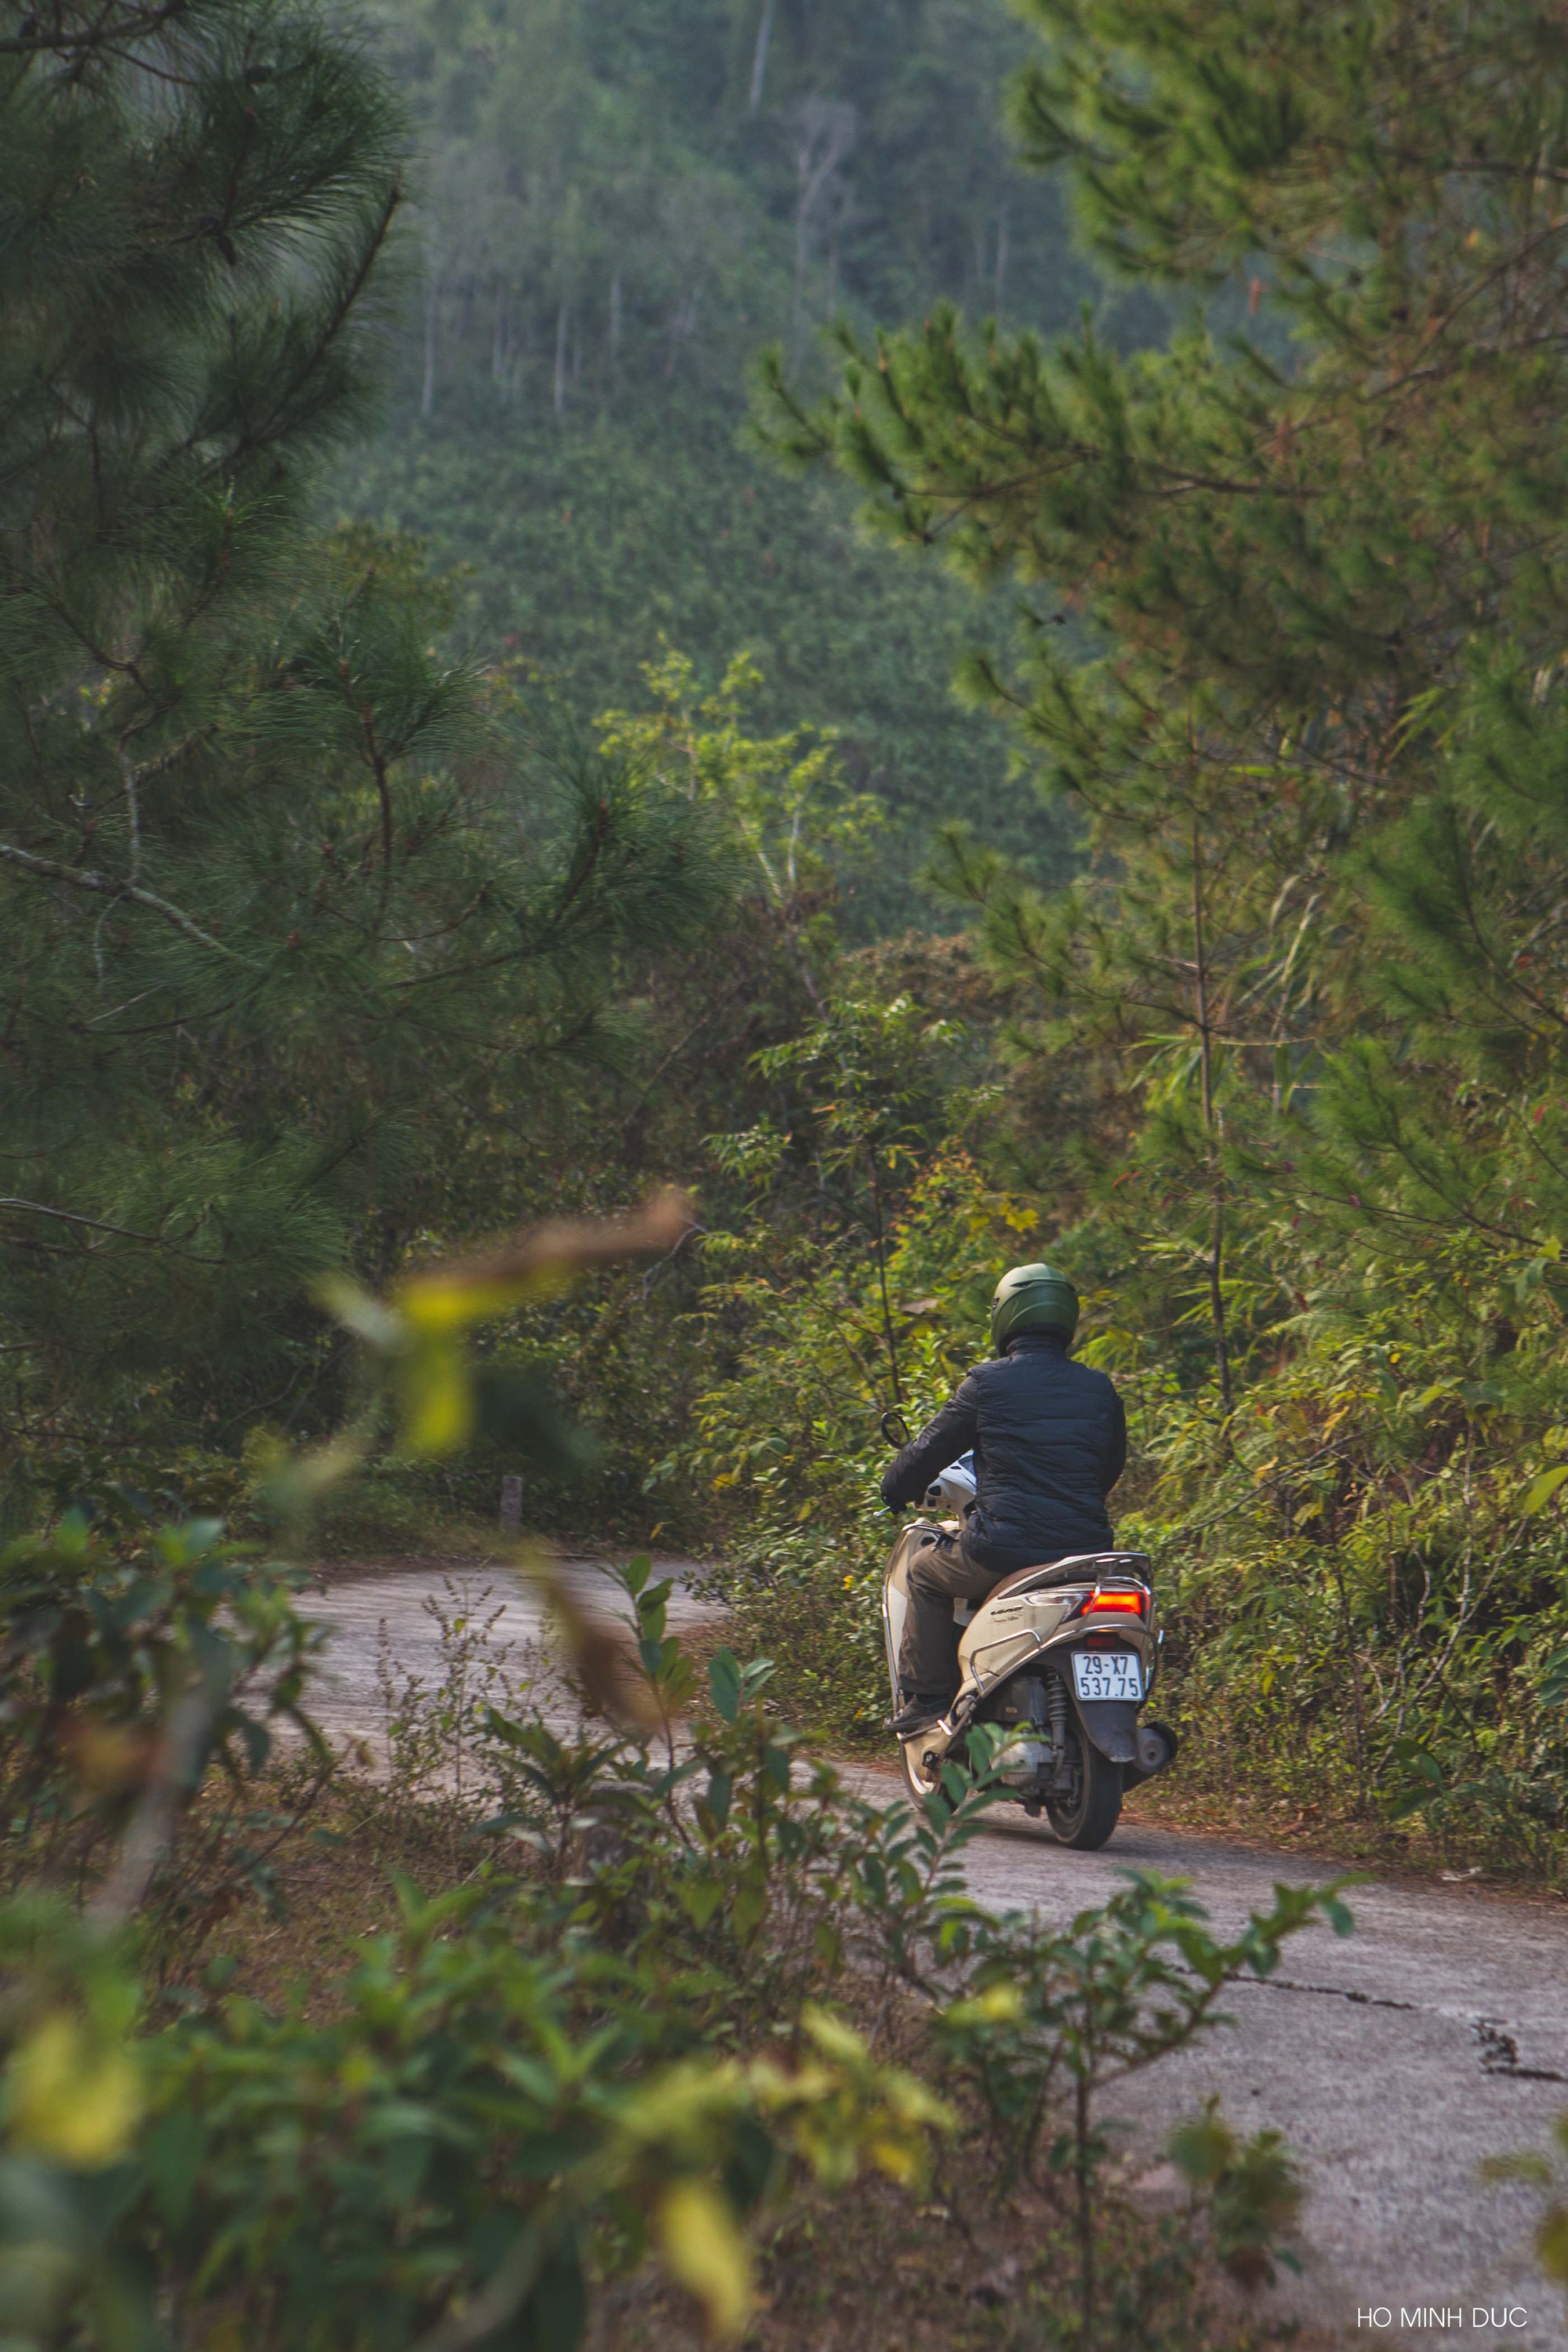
pixel 1050 1442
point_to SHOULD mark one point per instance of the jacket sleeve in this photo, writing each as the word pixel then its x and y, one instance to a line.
pixel 1116 1454
pixel 941 1441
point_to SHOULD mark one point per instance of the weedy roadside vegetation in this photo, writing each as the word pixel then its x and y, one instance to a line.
pixel 1368 1646
pixel 674 1973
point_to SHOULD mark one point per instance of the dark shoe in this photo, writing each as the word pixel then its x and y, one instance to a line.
pixel 918 1715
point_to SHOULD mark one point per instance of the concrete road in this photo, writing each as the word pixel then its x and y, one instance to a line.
pixel 388 1618
pixel 1394 2061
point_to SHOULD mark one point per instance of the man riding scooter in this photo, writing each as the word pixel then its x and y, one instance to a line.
pixel 1049 1441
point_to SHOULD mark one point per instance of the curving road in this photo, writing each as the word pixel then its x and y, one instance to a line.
pixel 1394 2061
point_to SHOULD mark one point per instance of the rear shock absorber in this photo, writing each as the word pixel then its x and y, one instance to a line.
pixel 1056 1705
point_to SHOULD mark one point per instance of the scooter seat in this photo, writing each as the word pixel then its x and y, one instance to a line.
pixel 1081 1567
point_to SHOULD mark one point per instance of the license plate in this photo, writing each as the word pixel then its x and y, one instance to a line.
pixel 1107 1674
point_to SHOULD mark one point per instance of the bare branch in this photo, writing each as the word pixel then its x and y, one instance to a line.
pixel 99 1226
pixel 105 886
pixel 662 1222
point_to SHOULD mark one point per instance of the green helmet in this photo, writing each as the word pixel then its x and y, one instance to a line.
pixel 1032 1299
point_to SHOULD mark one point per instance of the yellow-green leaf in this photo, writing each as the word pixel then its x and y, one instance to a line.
pixel 999 2004
pixel 438 1398
pixel 699 1898
pixel 746 1909
pixel 833 2038
pixel 71 2096
pixel 902 2156
pixel 707 2253
pixel 1551 2244
pixel 441 1303
pixel 1539 1491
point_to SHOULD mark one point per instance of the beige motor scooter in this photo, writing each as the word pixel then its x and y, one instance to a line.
pixel 1063 1657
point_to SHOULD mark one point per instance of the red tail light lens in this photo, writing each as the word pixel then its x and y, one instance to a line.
pixel 1114 1604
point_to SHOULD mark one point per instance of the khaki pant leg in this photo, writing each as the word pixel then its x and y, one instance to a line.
pixel 927 1656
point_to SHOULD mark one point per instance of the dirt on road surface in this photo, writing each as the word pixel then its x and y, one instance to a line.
pixel 1395 2059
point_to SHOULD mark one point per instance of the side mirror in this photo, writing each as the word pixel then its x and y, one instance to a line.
pixel 895 1429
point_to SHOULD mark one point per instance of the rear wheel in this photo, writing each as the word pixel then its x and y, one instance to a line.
pixel 1086 1817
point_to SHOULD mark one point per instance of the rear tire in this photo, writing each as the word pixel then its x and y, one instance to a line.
pixel 1086 1820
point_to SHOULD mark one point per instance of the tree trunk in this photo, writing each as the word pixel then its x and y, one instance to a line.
pixel 1001 260
pixel 879 1230
pixel 1352 1651
pixel 1211 1138
pixel 560 325
pixel 615 316
pixel 432 309
pixel 759 55
pixel 682 327
pixel 827 134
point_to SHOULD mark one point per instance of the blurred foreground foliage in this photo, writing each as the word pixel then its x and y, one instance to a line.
pixel 675 1982
pixel 681 1971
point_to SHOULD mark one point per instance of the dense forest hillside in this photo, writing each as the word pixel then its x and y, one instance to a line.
pixel 617 206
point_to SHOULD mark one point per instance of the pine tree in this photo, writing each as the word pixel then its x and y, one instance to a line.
pixel 1312 568
pixel 285 902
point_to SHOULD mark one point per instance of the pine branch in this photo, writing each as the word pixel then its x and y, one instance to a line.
pixel 100 1225
pixel 138 27
pixel 106 886
pixel 278 417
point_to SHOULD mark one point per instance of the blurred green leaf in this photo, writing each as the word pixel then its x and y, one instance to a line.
pixel 1541 1490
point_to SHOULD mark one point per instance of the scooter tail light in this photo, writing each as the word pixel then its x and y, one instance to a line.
pixel 1114 1604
